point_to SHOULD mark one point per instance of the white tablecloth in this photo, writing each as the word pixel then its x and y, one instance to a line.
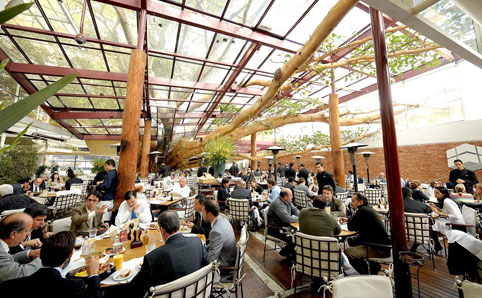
pixel 132 264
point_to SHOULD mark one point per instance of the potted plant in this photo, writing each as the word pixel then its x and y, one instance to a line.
pixel 97 166
pixel 216 152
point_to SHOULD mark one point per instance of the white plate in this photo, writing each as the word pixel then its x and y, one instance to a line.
pixel 113 253
pixel 116 276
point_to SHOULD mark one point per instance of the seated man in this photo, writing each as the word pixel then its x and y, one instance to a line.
pixel 302 187
pixel 274 190
pixel 22 185
pixel 131 208
pixel 181 189
pixel 222 242
pixel 370 230
pixel 417 191
pixel 199 226
pixel 37 237
pixel 280 214
pixel 48 281
pixel 13 230
pixel 223 193
pixel 412 206
pixel 178 257
pixel 240 192
pixel 315 221
pixel 291 184
pixel 37 185
pixel 72 180
pixel 10 201
pixel 334 204
pixel 88 215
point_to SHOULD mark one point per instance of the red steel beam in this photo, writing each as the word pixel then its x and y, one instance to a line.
pixel 196 20
pixel 122 77
pixel 229 82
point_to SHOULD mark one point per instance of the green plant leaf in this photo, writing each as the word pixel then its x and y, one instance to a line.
pixel 4 63
pixel 17 139
pixel 12 12
pixel 12 114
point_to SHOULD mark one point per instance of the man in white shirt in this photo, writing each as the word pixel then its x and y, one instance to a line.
pixel 132 208
pixel 181 189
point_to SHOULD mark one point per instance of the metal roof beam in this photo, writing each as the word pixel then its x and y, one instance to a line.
pixel 118 115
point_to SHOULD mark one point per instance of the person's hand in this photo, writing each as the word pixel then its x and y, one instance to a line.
pixel 30 194
pixel 183 223
pixel 189 225
pixel 101 209
pixel 33 243
pixel 342 220
pixel 92 266
pixel 48 234
pixel 460 181
pixel 34 253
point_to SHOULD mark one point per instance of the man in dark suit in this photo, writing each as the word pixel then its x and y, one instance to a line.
pixel 241 192
pixel 179 257
pixel 47 281
pixel 165 170
pixel 303 173
pixel 72 180
pixel 291 184
pixel 199 225
pixel 234 170
pixel 21 186
pixel 10 201
pixel 223 193
pixel 281 170
pixel 291 171
pixel 37 185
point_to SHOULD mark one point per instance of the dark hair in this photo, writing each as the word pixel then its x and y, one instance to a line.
pixel 71 174
pixel 96 193
pixel 201 198
pixel 130 194
pixel 23 180
pixel 406 192
pixel 169 221
pixel 458 160
pixel 291 179
pixel 284 192
pixel 327 187
pixel 36 209
pixel 99 177
pixel 414 184
pixel 301 180
pixel 445 192
pixel 57 248
pixel 212 207
pixel 225 180
pixel 110 162
pixel 8 226
pixel 319 164
pixel 271 181
pixel 52 176
pixel 291 164
pixel 361 197
pixel 303 165
pixel 319 202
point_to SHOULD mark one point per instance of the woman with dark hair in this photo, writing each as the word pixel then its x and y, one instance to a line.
pixel 55 181
pixel 448 212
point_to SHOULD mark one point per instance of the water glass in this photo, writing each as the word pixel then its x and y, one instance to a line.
pixel 92 232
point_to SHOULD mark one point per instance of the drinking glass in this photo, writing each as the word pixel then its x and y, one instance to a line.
pixel 92 232
pixel 118 259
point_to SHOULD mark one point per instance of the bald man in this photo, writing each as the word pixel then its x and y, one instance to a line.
pixel 13 230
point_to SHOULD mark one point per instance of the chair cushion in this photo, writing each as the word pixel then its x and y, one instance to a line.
pixel 471 289
pixel 62 224
pixel 362 286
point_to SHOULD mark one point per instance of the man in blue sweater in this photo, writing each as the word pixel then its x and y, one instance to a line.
pixel 107 187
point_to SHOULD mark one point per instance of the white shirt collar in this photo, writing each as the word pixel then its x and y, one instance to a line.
pixel 4 245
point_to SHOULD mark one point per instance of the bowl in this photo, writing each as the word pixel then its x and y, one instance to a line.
pixel 104 272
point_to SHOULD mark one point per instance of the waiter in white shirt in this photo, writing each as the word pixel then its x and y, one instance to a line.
pixel 181 189
pixel 132 208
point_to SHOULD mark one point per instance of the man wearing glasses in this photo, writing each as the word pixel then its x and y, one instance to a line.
pixel 88 215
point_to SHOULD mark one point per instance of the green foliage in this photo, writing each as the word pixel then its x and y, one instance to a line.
pixel 98 165
pixel 225 108
pixel 217 151
pixel 10 13
pixel 19 161
pixel 287 106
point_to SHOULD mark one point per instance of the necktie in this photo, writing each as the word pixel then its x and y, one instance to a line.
pixel 133 215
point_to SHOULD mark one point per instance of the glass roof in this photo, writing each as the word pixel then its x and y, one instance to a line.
pixel 202 60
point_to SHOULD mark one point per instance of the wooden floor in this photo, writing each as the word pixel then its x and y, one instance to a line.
pixel 276 272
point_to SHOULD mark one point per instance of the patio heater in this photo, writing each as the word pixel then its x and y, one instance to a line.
pixel 155 153
pixel 352 148
pixel 275 150
pixel 366 155
pixel 270 162
pixel 318 158
pixel 298 157
pixel 259 163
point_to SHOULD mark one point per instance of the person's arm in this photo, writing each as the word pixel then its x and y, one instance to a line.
pixel 452 212
pixel 294 211
pixel 337 228
pixel 341 208
pixel 205 255
pixel 123 215
pixel 452 177
pixel 106 185
pixel 145 215
pixel 78 218
pixel 283 215
pixel 215 245
pixel 355 221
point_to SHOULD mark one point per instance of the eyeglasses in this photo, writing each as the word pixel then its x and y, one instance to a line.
pixel 92 200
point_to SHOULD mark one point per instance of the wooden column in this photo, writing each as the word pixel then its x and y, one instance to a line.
pixel 394 187
pixel 253 151
pixel 126 172
pixel 335 139
pixel 146 148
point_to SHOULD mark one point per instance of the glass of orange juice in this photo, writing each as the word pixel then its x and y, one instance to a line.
pixel 118 259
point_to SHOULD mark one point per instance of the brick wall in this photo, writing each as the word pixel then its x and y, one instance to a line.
pixel 424 162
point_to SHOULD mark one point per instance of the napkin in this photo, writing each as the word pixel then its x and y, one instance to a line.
pixel 75 262
pixel 133 265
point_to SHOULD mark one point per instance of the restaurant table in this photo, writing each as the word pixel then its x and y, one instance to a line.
pixel 132 257
pixel 164 202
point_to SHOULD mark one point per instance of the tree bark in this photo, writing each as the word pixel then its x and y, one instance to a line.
pixel 126 173
pixel 335 140
pixel 146 147
pixel 253 151
pixel 331 20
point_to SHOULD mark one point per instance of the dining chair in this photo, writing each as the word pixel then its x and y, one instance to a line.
pixel 342 196
pixel 238 210
pixel 232 287
pixel 301 201
pixel 197 284
pixel 63 204
pixel 267 236
pixel 373 195
pixel 189 209
pixel 418 228
pixel 317 257
pixel 373 286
